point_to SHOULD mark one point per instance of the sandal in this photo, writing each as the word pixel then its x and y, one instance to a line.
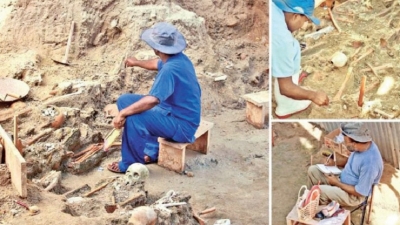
pixel 113 167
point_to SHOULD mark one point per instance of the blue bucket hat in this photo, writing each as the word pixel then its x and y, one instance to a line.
pixel 304 7
pixel 165 38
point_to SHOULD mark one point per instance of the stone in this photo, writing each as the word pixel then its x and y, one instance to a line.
pixel 69 138
pixel 232 21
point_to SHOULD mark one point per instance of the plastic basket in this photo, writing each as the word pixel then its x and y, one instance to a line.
pixel 308 211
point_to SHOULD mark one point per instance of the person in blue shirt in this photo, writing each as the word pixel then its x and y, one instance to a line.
pixel 363 168
pixel 171 109
pixel 287 16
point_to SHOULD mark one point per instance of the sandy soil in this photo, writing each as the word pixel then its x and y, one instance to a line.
pixel 224 38
pixel 362 28
pixel 294 145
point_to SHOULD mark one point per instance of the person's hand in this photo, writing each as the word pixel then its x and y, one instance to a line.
pixel 119 121
pixel 332 179
pixel 129 62
pixel 320 98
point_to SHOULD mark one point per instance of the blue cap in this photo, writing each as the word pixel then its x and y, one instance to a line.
pixel 304 7
pixel 165 38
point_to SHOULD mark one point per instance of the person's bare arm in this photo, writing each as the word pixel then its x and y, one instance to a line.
pixel 334 181
pixel 150 64
pixel 291 90
pixel 145 103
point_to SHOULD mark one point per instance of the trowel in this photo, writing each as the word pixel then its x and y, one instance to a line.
pixel 64 61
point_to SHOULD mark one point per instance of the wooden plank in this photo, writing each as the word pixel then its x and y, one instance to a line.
pixel 201 144
pixel 260 99
pixel 171 158
pixel 255 115
pixel 15 163
pixel 172 154
pixel 172 144
pixel 203 128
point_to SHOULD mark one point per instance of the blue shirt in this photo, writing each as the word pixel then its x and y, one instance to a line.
pixel 363 169
pixel 285 49
pixel 178 90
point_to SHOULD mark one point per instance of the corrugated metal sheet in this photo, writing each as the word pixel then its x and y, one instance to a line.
pixel 384 134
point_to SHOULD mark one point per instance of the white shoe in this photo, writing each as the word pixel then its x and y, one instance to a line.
pixel 286 107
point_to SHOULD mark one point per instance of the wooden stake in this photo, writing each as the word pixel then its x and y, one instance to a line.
pixel 362 90
pixel 71 32
pixel 349 72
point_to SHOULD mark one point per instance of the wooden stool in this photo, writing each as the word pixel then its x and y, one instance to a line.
pixel 257 108
pixel 292 218
pixel 172 154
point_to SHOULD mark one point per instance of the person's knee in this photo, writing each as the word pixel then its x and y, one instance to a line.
pixel 139 121
pixel 313 169
pixel 121 100
pixel 125 100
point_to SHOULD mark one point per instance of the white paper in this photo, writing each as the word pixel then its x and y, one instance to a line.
pixel 329 169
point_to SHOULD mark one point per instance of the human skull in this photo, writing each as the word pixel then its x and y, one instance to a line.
pixel 135 173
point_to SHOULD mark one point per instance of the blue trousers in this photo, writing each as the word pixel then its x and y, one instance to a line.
pixel 139 137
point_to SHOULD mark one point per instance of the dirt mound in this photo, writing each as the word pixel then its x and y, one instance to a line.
pixel 221 41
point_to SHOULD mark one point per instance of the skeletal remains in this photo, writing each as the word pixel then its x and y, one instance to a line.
pixel 131 183
pixel 136 173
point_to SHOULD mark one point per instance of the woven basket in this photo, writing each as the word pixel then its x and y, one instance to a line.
pixel 308 211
